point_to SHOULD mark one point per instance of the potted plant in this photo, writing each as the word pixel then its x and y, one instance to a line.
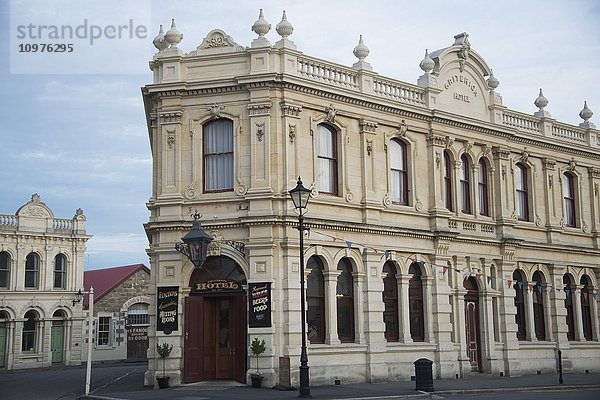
pixel 257 347
pixel 163 350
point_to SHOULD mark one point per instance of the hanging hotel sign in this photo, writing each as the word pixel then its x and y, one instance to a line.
pixel 260 305
pixel 167 299
pixel 216 286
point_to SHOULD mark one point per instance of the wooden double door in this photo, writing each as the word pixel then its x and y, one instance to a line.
pixel 215 337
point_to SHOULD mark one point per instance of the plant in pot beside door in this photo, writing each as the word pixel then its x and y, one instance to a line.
pixel 257 347
pixel 163 350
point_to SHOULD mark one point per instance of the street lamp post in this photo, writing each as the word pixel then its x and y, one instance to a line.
pixel 88 372
pixel 300 196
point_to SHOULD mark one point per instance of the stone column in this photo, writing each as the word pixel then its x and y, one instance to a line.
pixel 594 313
pixel 577 315
pixel 503 192
pixel 403 306
pixel 331 333
pixel 427 282
pixel 359 307
pixel 528 300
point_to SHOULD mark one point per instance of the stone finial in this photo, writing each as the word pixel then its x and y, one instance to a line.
pixel 35 198
pixel 361 51
pixel 540 103
pixel 173 36
pixel 492 82
pixel 427 63
pixel 284 28
pixel 586 114
pixel 261 27
pixel 159 41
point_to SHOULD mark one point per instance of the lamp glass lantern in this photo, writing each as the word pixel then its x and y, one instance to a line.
pixel 300 195
pixel 197 241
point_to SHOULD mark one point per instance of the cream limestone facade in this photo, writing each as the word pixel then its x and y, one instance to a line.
pixel 444 225
pixel 41 270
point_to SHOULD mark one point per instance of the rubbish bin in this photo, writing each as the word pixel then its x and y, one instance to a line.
pixel 424 375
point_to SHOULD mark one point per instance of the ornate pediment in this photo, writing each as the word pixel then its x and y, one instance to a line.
pixel 35 208
pixel 461 75
pixel 217 41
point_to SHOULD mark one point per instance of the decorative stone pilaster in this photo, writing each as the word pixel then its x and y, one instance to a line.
pixel 369 145
pixel 507 311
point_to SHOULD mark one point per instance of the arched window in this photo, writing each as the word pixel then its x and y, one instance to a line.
pixel 415 300
pixel 569 198
pixel 60 271
pixel 586 314
pixel 4 270
pixel 390 302
pixel 327 159
pixel 28 342
pixel 32 271
pixel 315 297
pixel 465 186
pixel 483 189
pixel 538 307
pixel 519 304
pixel 345 302
pixel 59 316
pixel 447 181
pixel 399 176
pixel 570 319
pixel 522 192
pixel 218 155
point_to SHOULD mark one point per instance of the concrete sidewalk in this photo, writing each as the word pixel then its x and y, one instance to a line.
pixel 390 390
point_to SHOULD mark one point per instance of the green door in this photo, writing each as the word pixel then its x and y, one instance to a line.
pixel 57 343
pixel 2 346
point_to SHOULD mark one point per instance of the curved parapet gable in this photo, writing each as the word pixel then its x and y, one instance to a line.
pixel 460 76
pixel 35 208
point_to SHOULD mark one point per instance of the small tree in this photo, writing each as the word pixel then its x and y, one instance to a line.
pixel 164 350
pixel 257 347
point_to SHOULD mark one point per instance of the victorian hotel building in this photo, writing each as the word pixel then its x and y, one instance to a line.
pixel 442 224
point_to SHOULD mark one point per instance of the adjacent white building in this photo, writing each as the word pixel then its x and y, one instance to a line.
pixel 41 269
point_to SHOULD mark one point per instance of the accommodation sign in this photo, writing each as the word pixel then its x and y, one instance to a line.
pixel 167 299
pixel 216 286
pixel 260 305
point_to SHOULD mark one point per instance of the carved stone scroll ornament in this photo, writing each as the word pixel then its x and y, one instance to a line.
pixel 572 165
pixel 369 147
pixel 292 132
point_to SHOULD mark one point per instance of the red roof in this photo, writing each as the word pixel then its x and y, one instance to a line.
pixel 105 280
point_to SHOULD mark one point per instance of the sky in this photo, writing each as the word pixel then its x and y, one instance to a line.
pixel 74 128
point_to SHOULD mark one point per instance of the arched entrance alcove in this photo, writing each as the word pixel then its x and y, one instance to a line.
pixel 472 324
pixel 215 322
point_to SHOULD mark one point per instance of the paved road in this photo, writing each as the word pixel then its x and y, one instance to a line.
pixel 68 383
pixel 537 394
